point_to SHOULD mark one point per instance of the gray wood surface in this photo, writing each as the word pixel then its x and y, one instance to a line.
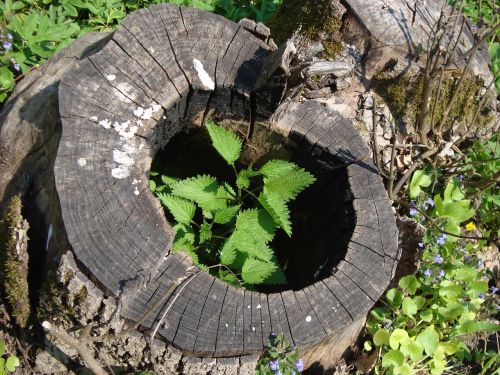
pixel 116 227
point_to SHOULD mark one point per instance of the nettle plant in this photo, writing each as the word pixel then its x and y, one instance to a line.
pixel 423 320
pixel 227 228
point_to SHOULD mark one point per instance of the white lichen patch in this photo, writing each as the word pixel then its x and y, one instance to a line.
pixel 123 158
pixel 106 124
pixel 127 90
pixel 111 77
pixel 205 79
pixel 120 172
pixel 136 191
pixel 93 118
pixel 139 111
pixel 147 114
pixel 82 162
pixel 308 318
pixel 258 306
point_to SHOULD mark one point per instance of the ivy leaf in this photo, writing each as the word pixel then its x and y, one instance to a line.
pixel 226 142
pixel 394 297
pixel 412 349
pixel 205 232
pixel 274 204
pixel 255 271
pixel 393 358
pixel 429 340
pixel 418 180
pixel 409 283
pixel 409 307
pixel 397 336
pixel 11 363
pixel 225 215
pixel 381 337
pixel 290 184
pixel 404 369
pixel 182 209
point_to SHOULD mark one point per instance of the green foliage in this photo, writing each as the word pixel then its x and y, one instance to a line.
pixel 230 229
pixel 279 355
pixel 31 31
pixel 8 362
pixel 421 327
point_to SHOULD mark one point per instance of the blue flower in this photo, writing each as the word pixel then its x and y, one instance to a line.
pixel 413 211
pixel 9 36
pixel 429 202
pixel 441 240
pixel 481 295
pixel 274 365
pixel 388 325
pixel 299 363
pixel 427 272
pixel 460 177
pixel 7 45
pixel 438 259
pixel 494 289
pixel 279 372
pixel 441 273
pixel 17 67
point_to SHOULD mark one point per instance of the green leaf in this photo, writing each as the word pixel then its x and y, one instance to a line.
pixel 277 208
pixel 182 209
pixel 226 142
pixel 288 185
pixel 2 366
pixel 276 168
pixel 472 327
pixel 243 178
pixel 404 369
pixel 255 271
pixel 381 337
pixel 225 215
pixel 393 358
pixel 394 297
pixel 198 189
pixel 450 292
pixel 412 349
pixel 409 283
pixel 453 192
pixel 429 340
pixel 418 180
pixel 419 301
pixel 459 210
pixel 277 277
pixel 183 234
pixel 409 306
pixel 11 363
pixel 397 336
pixel 465 273
pixel 427 315
pixel 450 347
pixel 228 253
pixel 229 277
pixel 168 180
pixel 205 232
pixel 367 346
pixel 257 223
pixel 2 347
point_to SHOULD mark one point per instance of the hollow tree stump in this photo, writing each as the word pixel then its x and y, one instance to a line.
pixel 163 68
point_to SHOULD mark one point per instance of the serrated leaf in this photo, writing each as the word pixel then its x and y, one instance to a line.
pixel 257 223
pixel 182 209
pixel 289 185
pixel 228 253
pixel 205 232
pixel 168 180
pixel 247 243
pixel 243 178
pixel 199 189
pixel 275 168
pixel 277 277
pixel 226 142
pixel 183 234
pixel 255 271
pixel 229 277
pixel 225 215
pixel 276 207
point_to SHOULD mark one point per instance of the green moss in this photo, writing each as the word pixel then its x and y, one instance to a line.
pixel 52 303
pixel 14 261
pixel 403 94
pixel 316 20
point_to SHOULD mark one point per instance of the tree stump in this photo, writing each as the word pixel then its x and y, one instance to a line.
pixel 163 69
